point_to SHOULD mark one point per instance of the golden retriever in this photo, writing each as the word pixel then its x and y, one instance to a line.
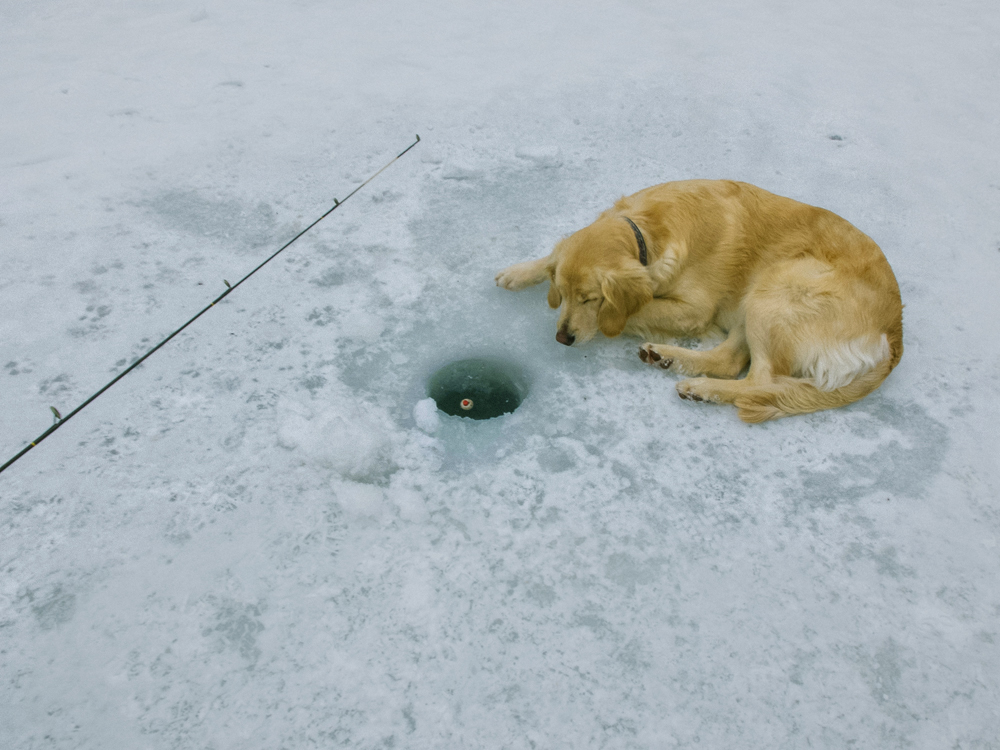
pixel 803 297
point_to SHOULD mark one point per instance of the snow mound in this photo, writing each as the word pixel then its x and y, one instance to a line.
pixel 425 414
pixel 348 436
pixel 546 157
pixel 461 172
pixel 360 501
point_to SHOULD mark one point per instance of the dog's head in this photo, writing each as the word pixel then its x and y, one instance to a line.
pixel 596 277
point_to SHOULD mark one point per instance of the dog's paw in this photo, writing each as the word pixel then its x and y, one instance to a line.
pixel 648 353
pixel 697 389
pixel 519 276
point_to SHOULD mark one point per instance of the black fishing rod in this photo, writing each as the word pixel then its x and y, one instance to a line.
pixel 60 420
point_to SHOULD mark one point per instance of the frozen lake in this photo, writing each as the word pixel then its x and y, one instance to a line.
pixel 258 539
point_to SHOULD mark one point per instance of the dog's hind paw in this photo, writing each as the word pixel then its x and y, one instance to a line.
pixel 697 389
pixel 649 355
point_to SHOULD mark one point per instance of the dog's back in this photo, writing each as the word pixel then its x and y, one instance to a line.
pixel 820 307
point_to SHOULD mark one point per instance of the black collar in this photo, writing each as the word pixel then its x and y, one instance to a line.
pixel 638 238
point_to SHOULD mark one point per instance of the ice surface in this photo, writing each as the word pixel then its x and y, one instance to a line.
pixel 264 537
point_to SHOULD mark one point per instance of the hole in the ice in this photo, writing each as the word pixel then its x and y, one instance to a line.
pixel 477 388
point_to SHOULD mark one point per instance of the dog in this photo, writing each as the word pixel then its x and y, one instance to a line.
pixel 801 296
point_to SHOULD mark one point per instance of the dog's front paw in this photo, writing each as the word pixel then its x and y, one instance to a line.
pixel 520 276
pixel 648 353
pixel 697 389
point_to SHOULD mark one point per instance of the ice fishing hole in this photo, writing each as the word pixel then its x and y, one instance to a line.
pixel 478 388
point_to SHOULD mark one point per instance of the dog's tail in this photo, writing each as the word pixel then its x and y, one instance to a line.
pixel 785 396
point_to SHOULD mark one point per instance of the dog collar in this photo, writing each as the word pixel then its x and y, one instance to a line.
pixel 638 238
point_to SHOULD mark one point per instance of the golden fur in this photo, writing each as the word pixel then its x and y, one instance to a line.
pixel 803 297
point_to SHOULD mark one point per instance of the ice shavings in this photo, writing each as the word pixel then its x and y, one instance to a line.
pixel 344 435
pixel 425 413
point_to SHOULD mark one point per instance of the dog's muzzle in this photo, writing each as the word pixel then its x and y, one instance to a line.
pixel 565 337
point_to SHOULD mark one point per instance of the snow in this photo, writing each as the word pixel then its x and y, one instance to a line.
pixel 425 415
pixel 265 537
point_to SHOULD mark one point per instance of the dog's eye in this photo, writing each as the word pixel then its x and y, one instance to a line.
pixel 592 299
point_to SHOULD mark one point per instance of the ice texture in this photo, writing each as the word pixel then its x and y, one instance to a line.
pixel 265 537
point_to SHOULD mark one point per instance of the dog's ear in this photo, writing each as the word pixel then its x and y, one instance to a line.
pixel 555 299
pixel 624 291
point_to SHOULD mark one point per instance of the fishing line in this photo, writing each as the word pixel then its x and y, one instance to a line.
pixel 61 420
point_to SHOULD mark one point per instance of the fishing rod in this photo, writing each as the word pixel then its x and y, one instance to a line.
pixel 60 420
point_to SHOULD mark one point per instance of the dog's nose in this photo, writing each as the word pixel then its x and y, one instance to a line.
pixel 565 337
